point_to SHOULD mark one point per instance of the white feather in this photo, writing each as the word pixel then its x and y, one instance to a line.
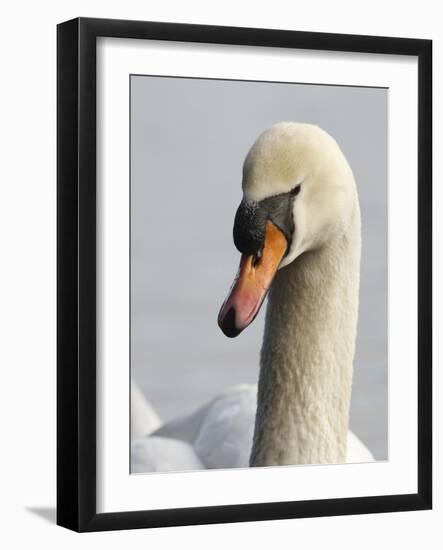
pixel 217 435
pixel 160 454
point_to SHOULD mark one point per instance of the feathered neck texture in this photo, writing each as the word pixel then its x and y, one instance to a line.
pixel 307 356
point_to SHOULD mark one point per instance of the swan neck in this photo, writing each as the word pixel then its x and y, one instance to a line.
pixel 307 356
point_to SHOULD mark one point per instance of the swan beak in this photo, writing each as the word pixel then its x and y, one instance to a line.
pixel 252 283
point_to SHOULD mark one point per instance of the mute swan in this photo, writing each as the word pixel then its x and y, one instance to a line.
pixel 298 229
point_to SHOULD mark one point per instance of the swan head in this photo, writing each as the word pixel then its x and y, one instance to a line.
pixel 298 194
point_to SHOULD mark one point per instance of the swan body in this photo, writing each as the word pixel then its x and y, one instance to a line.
pixel 160 454
pixel 217 435
pixel 298 229
pixel 221 431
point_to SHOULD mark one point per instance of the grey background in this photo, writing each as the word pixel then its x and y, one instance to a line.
pixel 188 141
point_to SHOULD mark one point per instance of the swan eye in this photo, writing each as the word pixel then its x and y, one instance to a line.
pixel 294 192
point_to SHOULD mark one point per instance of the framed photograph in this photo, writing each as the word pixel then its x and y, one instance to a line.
pixel 244 274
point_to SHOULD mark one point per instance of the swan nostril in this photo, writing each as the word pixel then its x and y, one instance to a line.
pixel 256 258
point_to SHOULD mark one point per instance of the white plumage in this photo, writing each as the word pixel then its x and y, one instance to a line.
pixel 217 435
pixel 220 431
pixel 161 454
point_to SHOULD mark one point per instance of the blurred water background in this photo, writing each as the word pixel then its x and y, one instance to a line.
pixel 188 141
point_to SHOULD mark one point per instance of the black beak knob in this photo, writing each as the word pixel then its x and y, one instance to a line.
pixel 249 228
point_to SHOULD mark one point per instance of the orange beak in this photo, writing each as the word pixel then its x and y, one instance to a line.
pixel 252 283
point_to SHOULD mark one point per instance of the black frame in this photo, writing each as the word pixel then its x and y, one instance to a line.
pixel 76 273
